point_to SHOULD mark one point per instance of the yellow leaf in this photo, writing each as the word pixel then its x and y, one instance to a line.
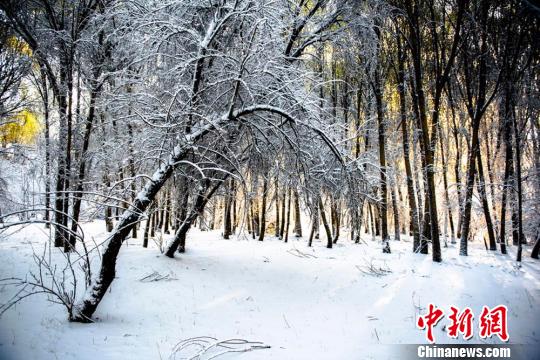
pixel 22 129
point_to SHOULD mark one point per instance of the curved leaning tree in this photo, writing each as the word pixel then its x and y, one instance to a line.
pixel 204 81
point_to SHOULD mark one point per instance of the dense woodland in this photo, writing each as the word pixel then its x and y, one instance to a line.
pixel 375 120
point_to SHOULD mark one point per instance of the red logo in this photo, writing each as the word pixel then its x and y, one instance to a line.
pixel 461 323
pixel 492 322
pixel 430 320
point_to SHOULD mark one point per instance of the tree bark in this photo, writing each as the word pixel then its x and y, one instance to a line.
pixel 395 211
pixel 45 99
pixel 481 186
pixel 203 196
pixel 167 220
pixel 519 194
pixel 227 227
pixel 263 209
pixel 446 195
pixel 288 217
pixel 314 221
pixel 297 219
pixel 277 227
pixel 536 247
pixel 149 213
pixel 335 216
pixel 325 224
pixel 61 196
pixel 383 205
pixel 283 206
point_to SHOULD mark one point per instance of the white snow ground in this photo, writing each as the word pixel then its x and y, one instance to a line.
pixel 316 306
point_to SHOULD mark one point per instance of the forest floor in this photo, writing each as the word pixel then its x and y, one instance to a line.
pixel 351 301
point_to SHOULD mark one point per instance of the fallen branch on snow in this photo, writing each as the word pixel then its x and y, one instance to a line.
pixel 373 270
pixel 206 347
pixel 300 254
pixel 155 276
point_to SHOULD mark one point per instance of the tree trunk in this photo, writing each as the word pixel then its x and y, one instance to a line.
pixel 521 236
pixel 335 212
pixel 227 227
pixel 297 219
pixel 253 221
pixel 457 162
pixel 283 206
pixel 288 217
pixel 359 219
pixel 469 188
pixel 147 226
pixel 233 206
pixel 263 209
pixel 202 198
pixel 133 177
pixel 536 247
pixel 256 218
pixel 277 230
pixel 445 183
pixel 383 205
pixel 45 99
pixel 314 221
pixel 153 224
pixel 481 186
pixel 61 210
pixel 325 224
pixel 167 219
pixel 212 224
pixel 508 167
pixel 395 211
pixel 108 219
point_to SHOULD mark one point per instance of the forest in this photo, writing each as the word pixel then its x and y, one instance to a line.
pixel 317 129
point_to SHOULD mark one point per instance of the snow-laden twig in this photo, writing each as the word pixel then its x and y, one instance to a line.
pixel 373 270
pixel 207 347
pixel 301 254
pixel 155 276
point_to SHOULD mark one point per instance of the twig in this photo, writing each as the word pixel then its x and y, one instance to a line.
pixel 155 276
pixel 372 270
pixel 211 348
pixel 300 254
